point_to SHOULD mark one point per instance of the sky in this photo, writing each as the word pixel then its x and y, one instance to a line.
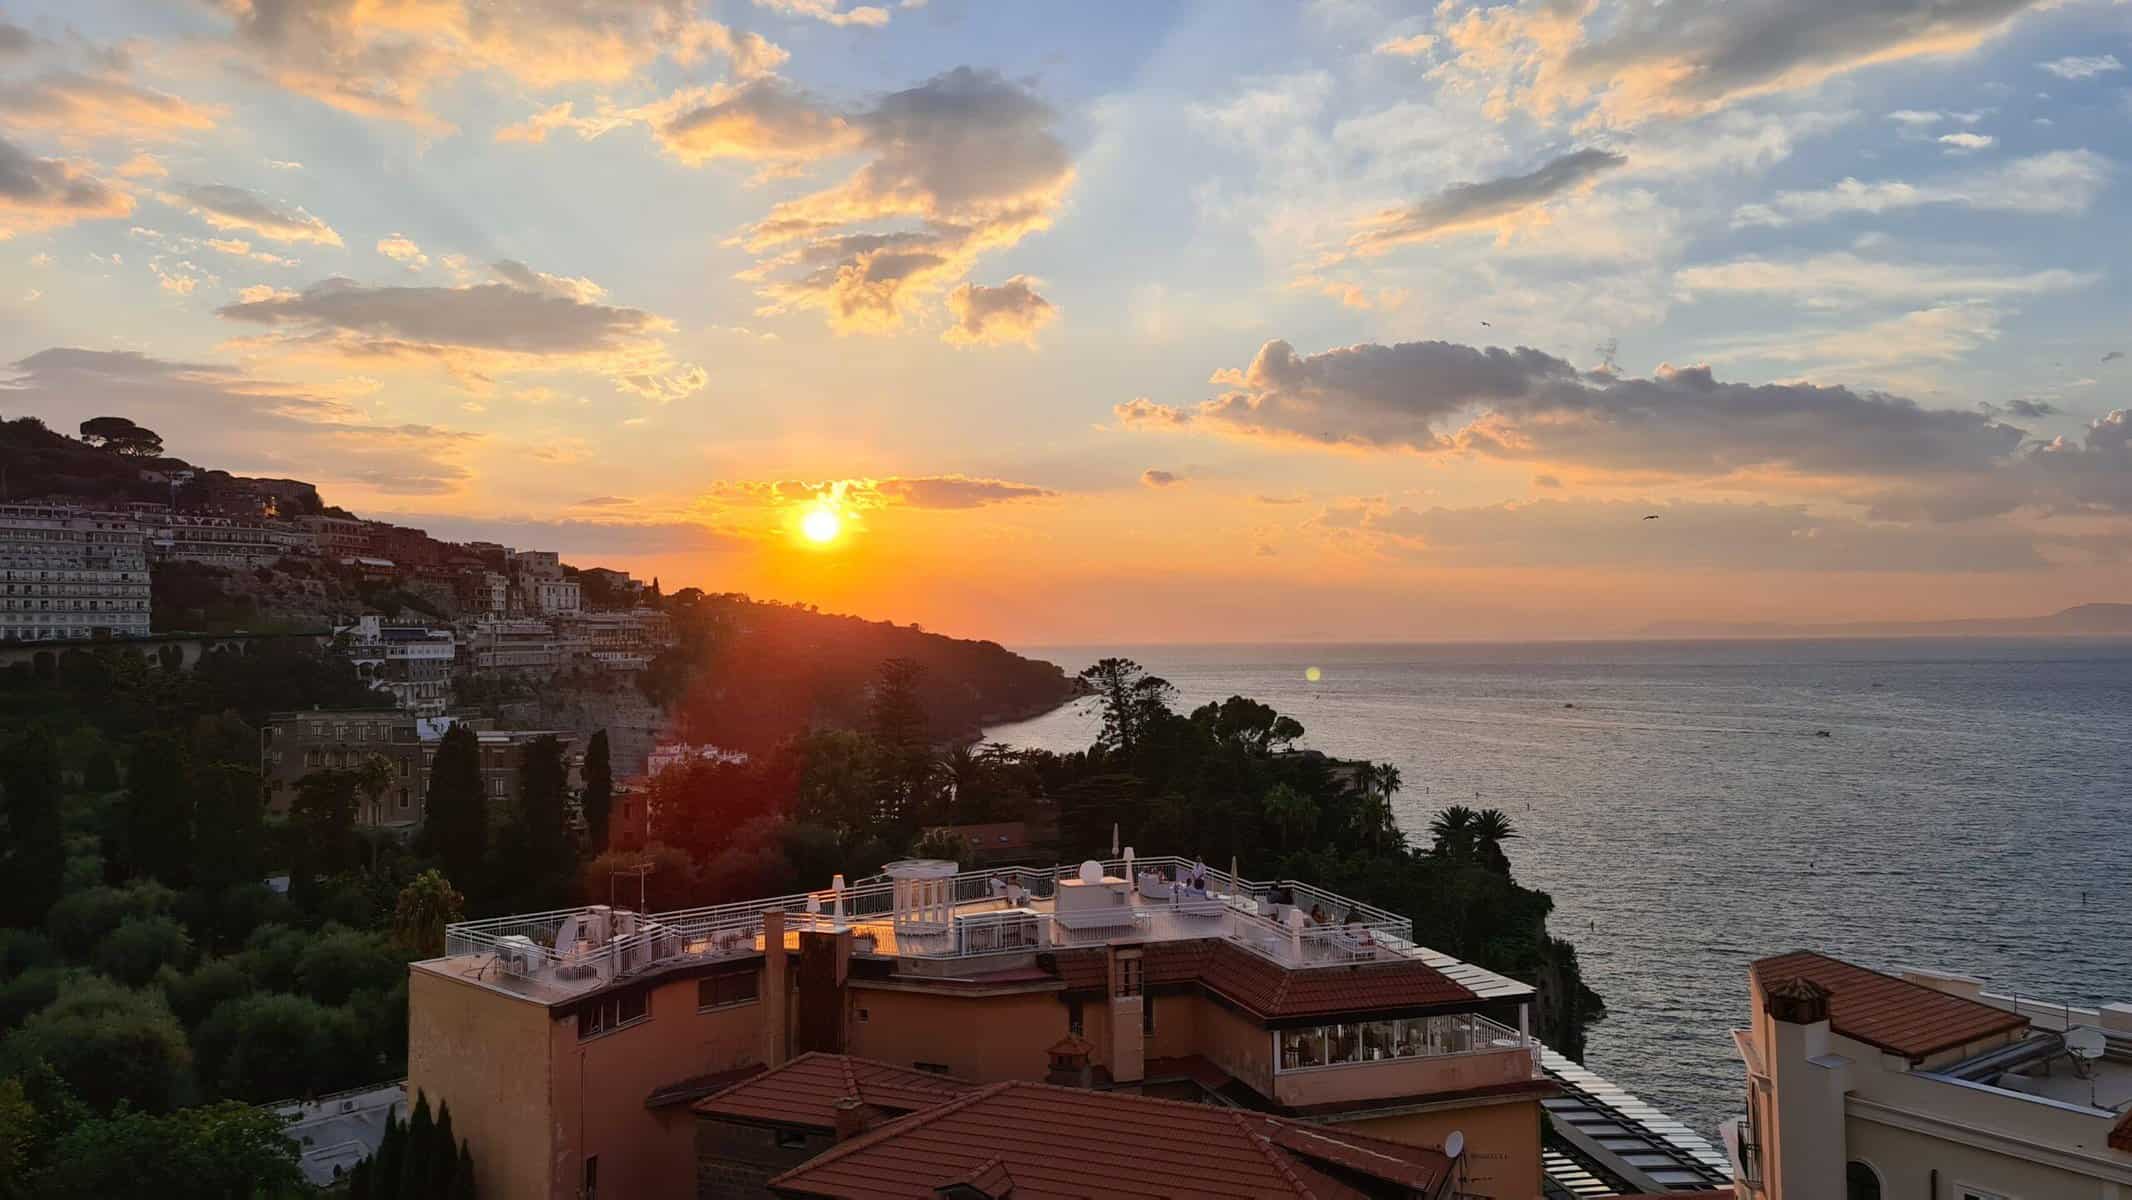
pixel 1332 321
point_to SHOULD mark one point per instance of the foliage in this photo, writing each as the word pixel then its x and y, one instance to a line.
pixel 208 1153
pixel 455 826
pixel 1133 701
pixel 270 1045
pixel 140 947
pixel 535 857
pixel 121 435
pixel 32 850
pixel 426 905
pixel 157 837
pixel 597 799
pixel 110 1044
pixel 417 1160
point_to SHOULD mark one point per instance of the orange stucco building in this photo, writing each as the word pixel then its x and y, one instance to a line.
pixel 572 1045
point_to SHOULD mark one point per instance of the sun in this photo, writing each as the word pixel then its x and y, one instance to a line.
pixel 821 526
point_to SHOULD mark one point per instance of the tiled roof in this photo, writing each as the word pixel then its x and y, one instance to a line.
pixel 805 1091
pixel 1893 1014
pixel 2121 1136
pixel 1056 1143
pixel 1271 991
pixel 697 1086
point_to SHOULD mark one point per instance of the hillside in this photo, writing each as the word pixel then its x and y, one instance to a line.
pixel 2079 620
pixel 750 674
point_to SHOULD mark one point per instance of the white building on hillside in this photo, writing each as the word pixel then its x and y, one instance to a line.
pixel 413 662
pixel 69 573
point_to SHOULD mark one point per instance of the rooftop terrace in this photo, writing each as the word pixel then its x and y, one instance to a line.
pixel 939 920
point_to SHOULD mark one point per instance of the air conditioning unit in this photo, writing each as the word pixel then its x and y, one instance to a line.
pixel 517 954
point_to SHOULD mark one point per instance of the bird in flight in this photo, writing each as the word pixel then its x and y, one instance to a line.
pixel 1485 323
pixel 2112 356
pixel 1650 516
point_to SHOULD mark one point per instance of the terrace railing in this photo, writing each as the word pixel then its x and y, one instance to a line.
pixel 524 944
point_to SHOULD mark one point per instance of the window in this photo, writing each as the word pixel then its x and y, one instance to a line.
pixel 1861 1182
pixel 1147 1016
pixel 931 1068
pixel 1129 976
pixel 592 1176
pixel 603 1014
pixel 1073 1016
pixel 720 991
pixel 791 1139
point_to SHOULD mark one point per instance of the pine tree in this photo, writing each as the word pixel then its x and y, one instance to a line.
pixel 421 1149
pixel 455 824
pixel 443 1160
pixel 392 1151
pixel 359 1182
pixel 463 1174
pixel 33 855
pixel 598 797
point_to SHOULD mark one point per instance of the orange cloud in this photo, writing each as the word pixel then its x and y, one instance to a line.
pixel 45 193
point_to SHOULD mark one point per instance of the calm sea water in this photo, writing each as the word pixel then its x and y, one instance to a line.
pixel 1970 810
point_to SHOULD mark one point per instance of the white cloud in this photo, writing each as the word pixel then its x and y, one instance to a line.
pixel 2082 66
pixel 1967 143
pixel 2057 183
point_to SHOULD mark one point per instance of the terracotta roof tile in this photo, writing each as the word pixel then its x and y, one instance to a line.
pixel 1055 1143
pixel 1893 1014
pixel 805 1091
pixel 1271 991
pixel 2121 1136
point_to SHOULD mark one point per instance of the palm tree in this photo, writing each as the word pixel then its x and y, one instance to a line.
pixel 1491 828
pixel 1452 832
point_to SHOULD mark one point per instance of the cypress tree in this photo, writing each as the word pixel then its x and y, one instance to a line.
pixel 463 1174
pixel 33 856
pixel 385 1180
pixel 598 799
pixel 443 1160
pixel 359 1181
pixel 455 823
pixel 421 1147
pixel 540 852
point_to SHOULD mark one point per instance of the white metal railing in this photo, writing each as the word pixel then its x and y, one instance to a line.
pixel 1338 1045
pixel 523 944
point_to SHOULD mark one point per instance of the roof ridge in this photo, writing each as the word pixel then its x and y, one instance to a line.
pixel 900 1125
pixel 851 1077
pixel 1273 1154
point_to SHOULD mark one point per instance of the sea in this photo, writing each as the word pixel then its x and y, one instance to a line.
pixel 1968 809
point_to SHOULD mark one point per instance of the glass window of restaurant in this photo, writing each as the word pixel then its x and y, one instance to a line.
pixel 1376 1041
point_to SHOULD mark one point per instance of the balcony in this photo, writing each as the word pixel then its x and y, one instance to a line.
pixel 1365 1060
pixel 965 919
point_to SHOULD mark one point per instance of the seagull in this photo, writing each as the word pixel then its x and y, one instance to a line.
pixel 1486 323
pixel 2113 356
pixel 1650 516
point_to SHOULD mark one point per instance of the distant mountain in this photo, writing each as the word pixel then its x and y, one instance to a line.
pixel 2094 619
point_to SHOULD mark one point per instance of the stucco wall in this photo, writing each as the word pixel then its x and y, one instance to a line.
pixel 487 1054
pixel 601 1084
pixel 1421 1075
pixel 1502 1158
pixel 993 1038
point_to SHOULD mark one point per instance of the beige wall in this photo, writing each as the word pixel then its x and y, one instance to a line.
pixel 487 1054
pixel 1905 1162
pixel 1502 1143
pixel 601 1083
pixel 987 1038
pixel 1421 1075
pixel 1236 1044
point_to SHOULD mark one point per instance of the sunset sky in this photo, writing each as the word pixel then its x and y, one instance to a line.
pixel 1134 322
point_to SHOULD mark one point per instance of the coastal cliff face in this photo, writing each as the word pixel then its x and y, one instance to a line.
pixel 1565 1007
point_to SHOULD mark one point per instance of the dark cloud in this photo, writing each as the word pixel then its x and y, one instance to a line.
pixel 1649 58
pixel 1524 404
pixel 226 207
pixel 1011 312
pixel 1160 479
pixel 1484 205
pixel 247 422
pixel 914 491
pixel 956 491
pixel 43 193
pixel 533 320
pixel 76 104
pixel 2032 408
pixel 14 39
pixel 766 119
pixel 603 502
pixel 583 541
pixel 1557 534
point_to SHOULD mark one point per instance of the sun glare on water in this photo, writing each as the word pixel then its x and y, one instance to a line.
pixel 821 526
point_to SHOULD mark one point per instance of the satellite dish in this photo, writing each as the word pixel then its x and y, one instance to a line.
pixel 1455 1144
pixel 2085 1043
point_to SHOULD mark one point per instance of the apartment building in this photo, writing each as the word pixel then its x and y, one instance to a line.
pixel 553 597
pixel 70 573
pixel 293 745
pixel 577 1042
pixel 338 537
pixel 412 662
pixel 515 645
pixel 1864 1084
pixel 224 541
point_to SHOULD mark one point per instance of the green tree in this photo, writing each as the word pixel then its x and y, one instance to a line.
pixel 140 947
pixel 230 815
pixel 1491 828
pixel 416 1167
pixel 455 825
pixel 443 1154
pixel 536 855
pixel 387 1162
pixel 1292 813
pixel 321 831
pixel 597 799
pixel 340 962
pixel 897 717
pixel 122 435
pixel 192 996
pixel 1133 701
pixel 210 1153
pixel 273 1046
pixel 463 1175
pixel 109 1043
pixel 83 919
pixel 33 857
pixel 1451 832
pixel 157 841
pixel 426 905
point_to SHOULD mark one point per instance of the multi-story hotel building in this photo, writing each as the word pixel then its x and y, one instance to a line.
pixel 576 1043
pixel 1866 1085
pixel 412 662
pixel 225 541
pixel 69 573
pixel 293 745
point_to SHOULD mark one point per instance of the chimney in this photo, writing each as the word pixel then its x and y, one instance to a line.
pixel 1070 1062
pixel 776 990
pixel 853 1115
